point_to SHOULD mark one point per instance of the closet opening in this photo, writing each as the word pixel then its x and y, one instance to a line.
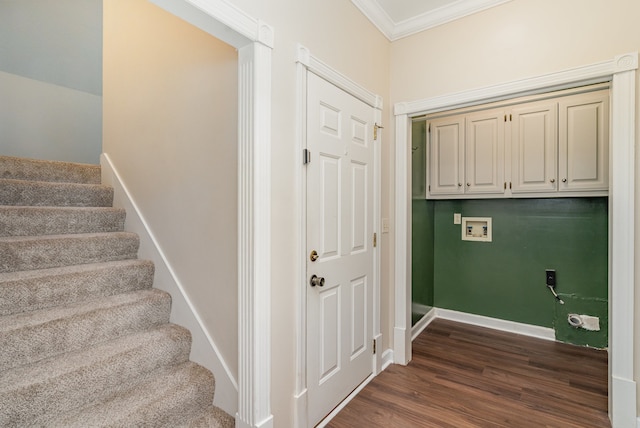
pixel 537 166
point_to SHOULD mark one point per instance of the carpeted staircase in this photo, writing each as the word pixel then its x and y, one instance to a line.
pixel 84 338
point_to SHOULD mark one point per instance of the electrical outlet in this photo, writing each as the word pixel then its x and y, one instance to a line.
pixel 457 218
pixel 550 275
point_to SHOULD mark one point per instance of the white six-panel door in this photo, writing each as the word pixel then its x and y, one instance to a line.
pixel 340 230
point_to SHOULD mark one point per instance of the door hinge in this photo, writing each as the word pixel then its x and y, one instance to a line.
pixel 375 130
pixel 306 156
pixel 374 346
pixel 375 239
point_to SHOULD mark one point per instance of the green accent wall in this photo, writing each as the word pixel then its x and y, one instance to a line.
pixel 505 279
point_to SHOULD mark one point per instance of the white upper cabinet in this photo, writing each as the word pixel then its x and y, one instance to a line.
pixel 533 147
pixel 446 156
pixel 584 142
pixel 539 146
pixel 484 152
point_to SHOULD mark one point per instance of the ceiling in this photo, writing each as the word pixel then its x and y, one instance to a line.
pixel 401 18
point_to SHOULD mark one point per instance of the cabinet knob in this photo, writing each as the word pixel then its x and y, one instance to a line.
pixel 468 185
pixel 564 180
pixel 553 180
pixel 459 184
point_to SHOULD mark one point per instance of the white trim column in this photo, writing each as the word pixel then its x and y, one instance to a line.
pixel 622 394
pixel 402 325
pixel 254 237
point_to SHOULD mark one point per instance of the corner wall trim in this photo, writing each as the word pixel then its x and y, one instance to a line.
pixel 621 71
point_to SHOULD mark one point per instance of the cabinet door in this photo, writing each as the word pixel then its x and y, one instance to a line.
pixel 484 152
pixel 446 156
pixel 584 142
pixel 534 147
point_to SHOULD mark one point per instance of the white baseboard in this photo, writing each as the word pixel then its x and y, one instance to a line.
pixel 387 359
pixel 203 348
pixel 423 323
pixel 497 324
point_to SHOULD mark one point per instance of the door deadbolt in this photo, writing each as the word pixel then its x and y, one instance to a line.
pixel 313 256
pixel 317 280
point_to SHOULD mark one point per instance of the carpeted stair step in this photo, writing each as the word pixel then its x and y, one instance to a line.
pixel 213 417
pixel 18 253
pixel 169 399
pixel 30 220
pixel 39 289
pixel 43 193
pixel 55 386
pixel 42 170
pixel 32 336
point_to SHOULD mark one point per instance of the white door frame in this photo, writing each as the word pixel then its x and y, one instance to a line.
pixel 254 41
pixel 307 63
pixel 621 72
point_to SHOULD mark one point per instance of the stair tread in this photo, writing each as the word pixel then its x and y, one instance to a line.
pixel 60 384
pixel 167 399
pixel 47 193
pixel 59 171
pixel 68 237
pixel 19 220
pixel 63 270
pixel 19 253
pixel 31 336
pixel 79 360
pixel 31 290
pixel 9 322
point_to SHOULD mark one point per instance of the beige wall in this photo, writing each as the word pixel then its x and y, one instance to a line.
pixel 513 41
pixel 170 129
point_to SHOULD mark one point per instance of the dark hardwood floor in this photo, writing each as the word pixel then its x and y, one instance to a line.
pixel 465 376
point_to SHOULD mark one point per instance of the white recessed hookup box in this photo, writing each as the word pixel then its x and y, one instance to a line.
pixel 476 229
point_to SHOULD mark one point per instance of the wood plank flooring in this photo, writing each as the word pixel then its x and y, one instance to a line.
pixel 466 376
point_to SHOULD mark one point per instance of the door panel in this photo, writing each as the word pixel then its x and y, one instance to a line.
pixel 484 154
pixel 584 142
pixel 534 144
pixel 340 228
pixel 446 156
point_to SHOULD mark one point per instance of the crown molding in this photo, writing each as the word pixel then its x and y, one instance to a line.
pixel 397 30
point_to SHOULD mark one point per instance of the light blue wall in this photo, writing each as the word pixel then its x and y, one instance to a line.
pixel 51 79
